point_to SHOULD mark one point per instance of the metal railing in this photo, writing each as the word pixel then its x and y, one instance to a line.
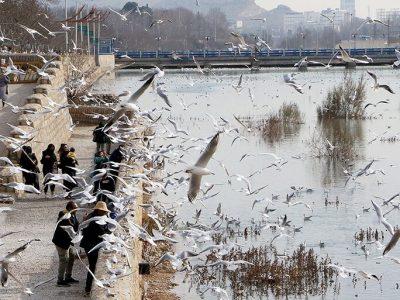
pixel 187 55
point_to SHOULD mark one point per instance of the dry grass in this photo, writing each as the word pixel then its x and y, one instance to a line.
pixel 301 273
pixel 276 126
pixel 345 101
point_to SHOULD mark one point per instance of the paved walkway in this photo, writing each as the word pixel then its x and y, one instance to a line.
pixel 17 96
pixel 36 218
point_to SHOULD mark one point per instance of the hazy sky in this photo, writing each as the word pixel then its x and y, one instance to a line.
pixel 317 5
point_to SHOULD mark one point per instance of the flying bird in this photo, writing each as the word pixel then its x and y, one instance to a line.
pixel 199 169
pixel 379 86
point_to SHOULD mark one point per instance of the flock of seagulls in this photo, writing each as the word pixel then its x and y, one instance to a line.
pixel 126 121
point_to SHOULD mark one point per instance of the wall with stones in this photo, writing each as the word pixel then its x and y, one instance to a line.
pixel 49 128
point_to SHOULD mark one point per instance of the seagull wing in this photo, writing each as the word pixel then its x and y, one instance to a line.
pixel 377 210
pixel 386 87
pixel 7 161
pixel 374 77
pixel 392 242
pixel 142 89
pixel 115 12
pixel 161 93
pixel 397 52
pixel 208 152
pixel 194 187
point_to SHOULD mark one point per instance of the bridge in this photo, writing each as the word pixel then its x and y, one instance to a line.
pixel 235 59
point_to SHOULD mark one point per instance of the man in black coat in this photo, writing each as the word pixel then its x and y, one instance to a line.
pixel 63 240
pixel 91 238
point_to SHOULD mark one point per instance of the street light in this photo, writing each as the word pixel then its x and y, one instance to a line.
pixel 158 42
pixel 207 38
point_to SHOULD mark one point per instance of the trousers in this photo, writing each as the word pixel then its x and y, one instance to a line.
pixel 92 258
pixel 66 262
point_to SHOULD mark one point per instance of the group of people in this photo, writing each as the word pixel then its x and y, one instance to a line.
pixel 66 162
pixel 91 237
pixel 65 159
pixel 93 232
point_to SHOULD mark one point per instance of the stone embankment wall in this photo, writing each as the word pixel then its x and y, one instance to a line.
pixel 127 287
pixel 54 128
pixel 47 128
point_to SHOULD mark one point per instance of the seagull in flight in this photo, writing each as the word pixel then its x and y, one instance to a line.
pixel 348 59
pixel 199 169
pixel 379 86
pixel 31 31
pixel 124 17
pixel 160 21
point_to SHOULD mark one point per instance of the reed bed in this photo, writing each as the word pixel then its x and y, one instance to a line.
pixel 275 126
pixel 345 101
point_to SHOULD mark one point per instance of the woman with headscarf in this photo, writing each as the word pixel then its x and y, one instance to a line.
pixel 49 162
pixel 29 162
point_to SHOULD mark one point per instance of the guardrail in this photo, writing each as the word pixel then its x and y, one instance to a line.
pixel 187 55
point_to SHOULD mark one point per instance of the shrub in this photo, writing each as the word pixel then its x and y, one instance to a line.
pixel 345 101
pixel 278 125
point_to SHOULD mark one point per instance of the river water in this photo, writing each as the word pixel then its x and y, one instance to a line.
pixel 334 225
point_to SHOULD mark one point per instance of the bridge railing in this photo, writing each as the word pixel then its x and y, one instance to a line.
pixel 187 55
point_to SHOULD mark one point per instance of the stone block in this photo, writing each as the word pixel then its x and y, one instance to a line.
pixel 42 89
pixel 38 99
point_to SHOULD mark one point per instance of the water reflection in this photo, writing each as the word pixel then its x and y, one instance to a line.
pixel 346 137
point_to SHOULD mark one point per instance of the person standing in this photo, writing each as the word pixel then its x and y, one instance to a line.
pixel 4 81
pixel 91 238
pixel 70 164
pixel 65 163
pixel 106 184
pixel 101 139
pixel 29 162
pixel 49 162
pixel 100 158
pixel 63 242
pixel 117 156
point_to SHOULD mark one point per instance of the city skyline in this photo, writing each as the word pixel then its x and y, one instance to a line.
pixel 317 5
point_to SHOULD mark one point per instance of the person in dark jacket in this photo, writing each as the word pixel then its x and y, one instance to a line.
pixel 62 240
pixel 101 139
pixel 100 158
pixel 62 157
pixel 29 162
pixel 91 238
pixel 117 156
pixel 4 81
pixel 49 162
pixel 107 184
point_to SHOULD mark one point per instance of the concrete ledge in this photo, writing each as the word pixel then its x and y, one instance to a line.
pixel 81 114
pixel 42 89
pixel 37 99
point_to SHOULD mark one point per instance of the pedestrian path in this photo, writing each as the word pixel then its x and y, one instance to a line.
pixel 36 218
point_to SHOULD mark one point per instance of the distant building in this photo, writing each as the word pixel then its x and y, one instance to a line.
pixel 339 16
pixel 387 14
pixel 349 6
pixel 292 21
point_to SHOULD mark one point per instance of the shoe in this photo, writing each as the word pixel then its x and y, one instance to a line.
pixel 71 280
pixel 63 284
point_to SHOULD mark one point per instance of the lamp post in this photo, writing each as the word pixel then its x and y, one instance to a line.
pixel 158 43
pixel 206 38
